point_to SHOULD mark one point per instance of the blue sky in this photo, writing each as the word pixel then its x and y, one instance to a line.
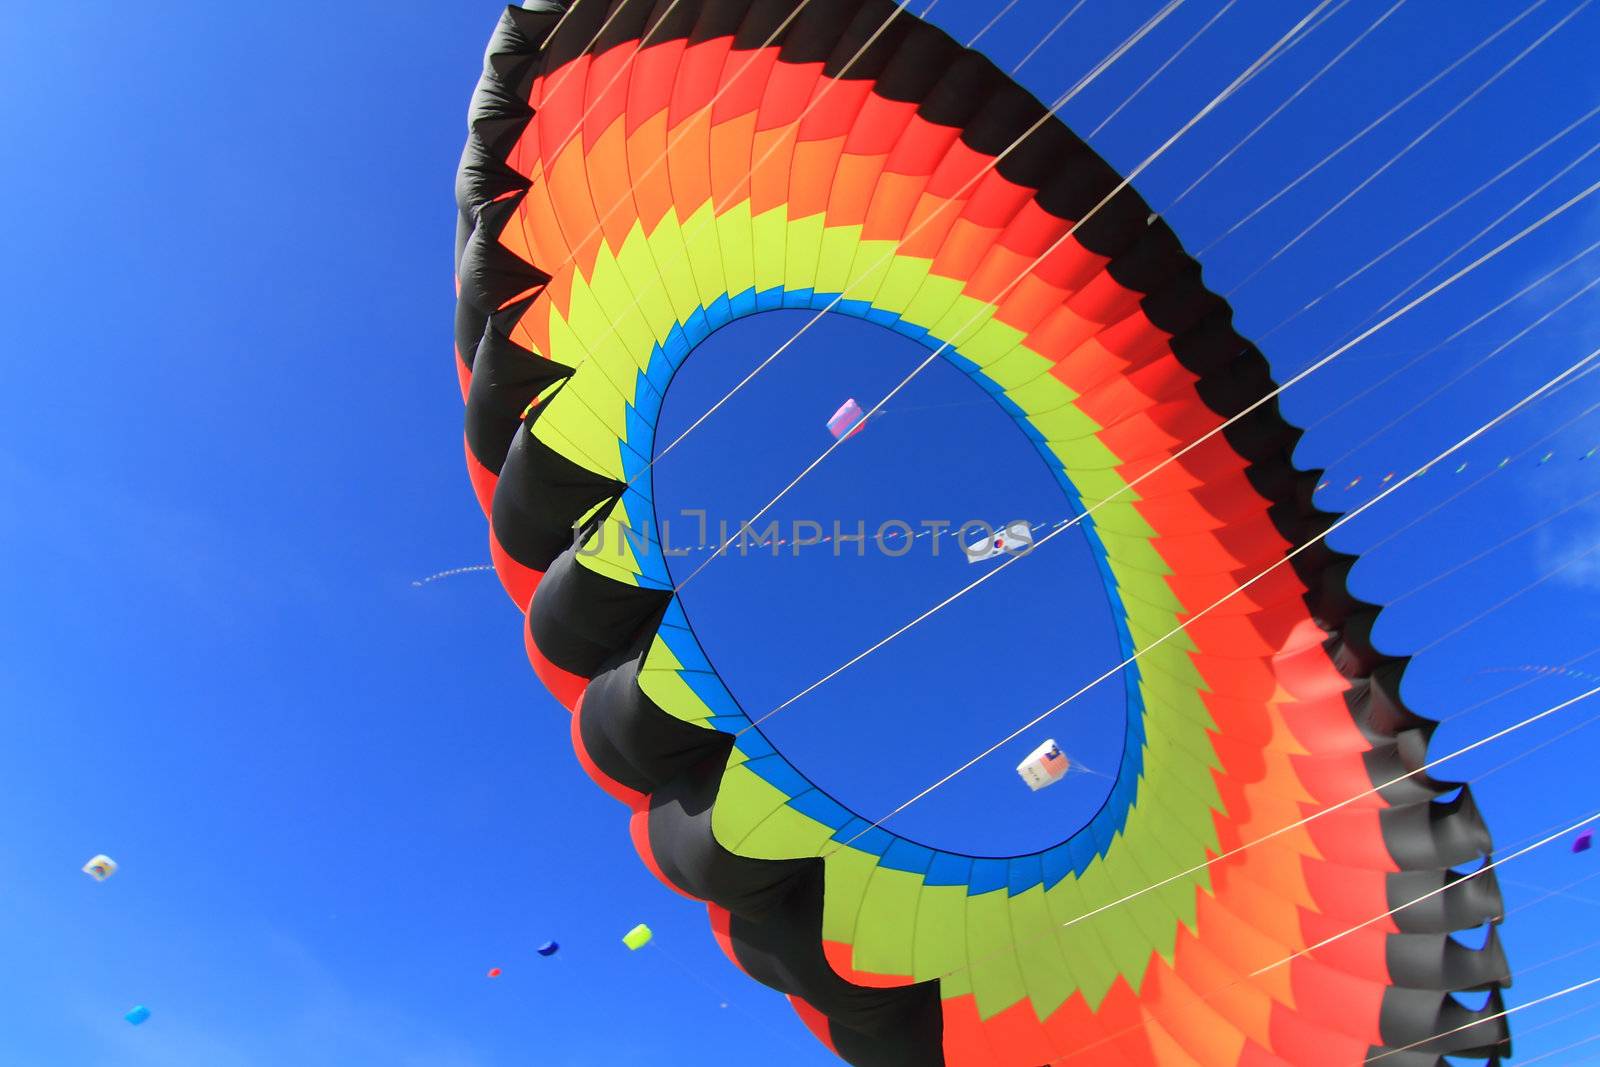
pixel 233 443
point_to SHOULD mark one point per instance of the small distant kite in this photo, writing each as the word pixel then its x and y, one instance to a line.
pixel 137 1015
pixel 1045 765
pixel 847 421
pixel 494 972
pixel 638 937
pixel 1017 536
pixel 549 948
pixel 100 868
pixel 1583 842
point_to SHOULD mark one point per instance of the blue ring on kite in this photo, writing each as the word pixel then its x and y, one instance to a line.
pixel 979 874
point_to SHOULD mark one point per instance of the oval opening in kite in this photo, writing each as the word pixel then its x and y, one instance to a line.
pixel 943 449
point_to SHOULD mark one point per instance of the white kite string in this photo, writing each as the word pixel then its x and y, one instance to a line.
pixel 1126 100
pixel 1374 124
pixel 1291 98
pixel 1418 139
pixel 1420 230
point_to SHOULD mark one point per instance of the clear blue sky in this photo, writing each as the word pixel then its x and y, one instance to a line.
pixel 232 442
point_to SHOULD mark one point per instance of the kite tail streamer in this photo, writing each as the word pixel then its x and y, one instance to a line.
pixel 452 572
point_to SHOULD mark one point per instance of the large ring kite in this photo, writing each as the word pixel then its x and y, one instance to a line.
pixel 658 168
